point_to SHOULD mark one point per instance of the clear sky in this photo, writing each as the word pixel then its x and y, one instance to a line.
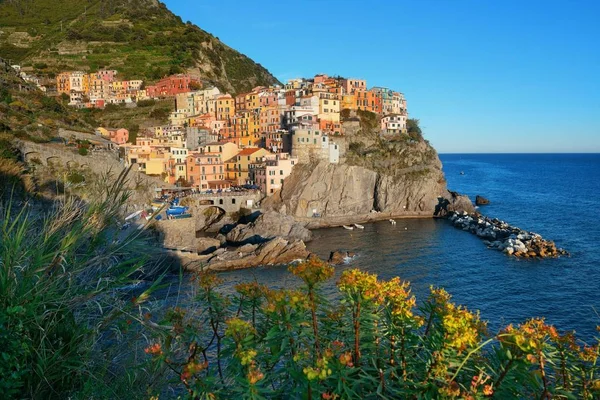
pixel 481 75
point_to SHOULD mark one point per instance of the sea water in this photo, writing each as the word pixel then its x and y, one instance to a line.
pixel 556 195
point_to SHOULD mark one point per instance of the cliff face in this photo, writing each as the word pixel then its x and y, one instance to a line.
pixel 396 177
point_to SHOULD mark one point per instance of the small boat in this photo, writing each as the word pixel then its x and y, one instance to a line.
pixel 358 226
pixel 176 211
pixel 462 172
pixel 392 221
pixel 182 216
pixel 132 216
pixel 348 227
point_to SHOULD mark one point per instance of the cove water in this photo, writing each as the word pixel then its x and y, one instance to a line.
pixel 556 195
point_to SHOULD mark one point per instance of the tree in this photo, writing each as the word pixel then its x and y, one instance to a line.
pixel 413 129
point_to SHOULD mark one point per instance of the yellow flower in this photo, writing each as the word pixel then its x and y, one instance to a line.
pixel 251 290
pixel 396 295
pixel 488 390
pixel 355 282
pixel 462 328
pixel 312 271
pixel 238 329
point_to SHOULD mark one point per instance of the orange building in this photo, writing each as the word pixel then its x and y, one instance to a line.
pixel 63 83
pixel 330 127
pixel 202 169
pixel 374 101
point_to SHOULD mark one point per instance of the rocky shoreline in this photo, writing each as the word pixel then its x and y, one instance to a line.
pixel 511 240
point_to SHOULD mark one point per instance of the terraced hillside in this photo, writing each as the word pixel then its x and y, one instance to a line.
pixel 139 38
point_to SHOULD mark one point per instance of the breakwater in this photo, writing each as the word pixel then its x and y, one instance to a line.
pixel 511 240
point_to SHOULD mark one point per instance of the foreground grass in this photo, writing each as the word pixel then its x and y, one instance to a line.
pixel 58 273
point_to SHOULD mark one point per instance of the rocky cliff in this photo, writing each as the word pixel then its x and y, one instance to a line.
pixel 380 178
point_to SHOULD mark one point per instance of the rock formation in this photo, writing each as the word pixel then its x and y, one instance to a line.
pixel 399 176
pixel 339 257
pixel 267 226
pixel 509 239
pixel 481 201
pixel 274 252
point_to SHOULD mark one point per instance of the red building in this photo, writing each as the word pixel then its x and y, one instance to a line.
pixel 171 85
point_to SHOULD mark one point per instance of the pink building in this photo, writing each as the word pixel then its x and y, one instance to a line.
pixel 118 136
pixel 272 171
pixel 107 75
pixel 352 85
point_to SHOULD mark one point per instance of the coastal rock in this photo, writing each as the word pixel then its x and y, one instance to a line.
pixel 340 257
pixel 267 226
pixel 275 251
pixel 508 239
pixel 453 203
pixel 325 189
pixel 481 201
pixel 339 191
pixel 207 245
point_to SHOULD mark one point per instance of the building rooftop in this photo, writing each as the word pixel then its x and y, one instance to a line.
pixel 248 150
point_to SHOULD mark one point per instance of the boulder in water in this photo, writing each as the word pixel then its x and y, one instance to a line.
pixel 481 201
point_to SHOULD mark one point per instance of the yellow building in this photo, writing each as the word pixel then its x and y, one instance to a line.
pixel 225 149
pixel 348 102
pixel 225 107
pixel 329 107
pixel 237 166
pixel 157 164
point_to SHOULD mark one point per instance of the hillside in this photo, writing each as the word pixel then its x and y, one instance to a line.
pixel 26 113
pixel 140 38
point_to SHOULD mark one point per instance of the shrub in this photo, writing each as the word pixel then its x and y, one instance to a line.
pixel 83 151
pixel 146 103
pixel 57 276
pixel 371 342
pixel 75 177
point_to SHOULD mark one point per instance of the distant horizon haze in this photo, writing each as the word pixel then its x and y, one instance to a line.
pixel 481 77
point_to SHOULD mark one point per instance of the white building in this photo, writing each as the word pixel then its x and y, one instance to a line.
pixel 311 145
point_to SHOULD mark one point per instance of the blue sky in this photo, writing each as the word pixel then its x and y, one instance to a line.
pixel 482 76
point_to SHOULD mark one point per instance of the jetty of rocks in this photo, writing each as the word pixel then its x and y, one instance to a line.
pixel 499 235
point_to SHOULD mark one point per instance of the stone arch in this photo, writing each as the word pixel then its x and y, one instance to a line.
pixel 206 202
pixel 212 216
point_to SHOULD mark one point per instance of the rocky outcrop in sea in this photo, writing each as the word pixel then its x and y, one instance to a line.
pixel 499 235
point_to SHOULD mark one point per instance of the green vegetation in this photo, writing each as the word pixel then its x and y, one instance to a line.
pixel 404 156
pixel 414 130
pixel 27 113
pixel 58 275
pixel 372 343
pixel 139 38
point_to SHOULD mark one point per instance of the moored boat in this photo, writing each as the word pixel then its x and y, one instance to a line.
pixel 348 227
pixel 358 226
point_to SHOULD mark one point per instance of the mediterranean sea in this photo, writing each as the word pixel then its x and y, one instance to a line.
pixel 556 195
